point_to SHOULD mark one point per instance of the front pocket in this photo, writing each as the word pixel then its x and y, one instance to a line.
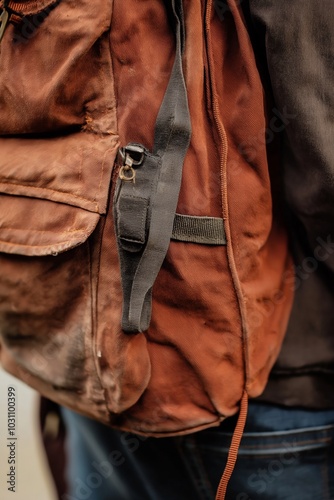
pixel 55 68
pixel 45 288
pixel 48 320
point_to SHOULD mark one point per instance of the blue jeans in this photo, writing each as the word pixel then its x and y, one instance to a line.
pixel 285 454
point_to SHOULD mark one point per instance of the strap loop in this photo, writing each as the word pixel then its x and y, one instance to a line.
pixel 201 230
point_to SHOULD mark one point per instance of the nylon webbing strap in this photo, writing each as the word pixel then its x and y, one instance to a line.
pixel 203 230
pixel 147 193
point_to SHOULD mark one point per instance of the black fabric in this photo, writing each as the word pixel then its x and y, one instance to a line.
pixel 297 40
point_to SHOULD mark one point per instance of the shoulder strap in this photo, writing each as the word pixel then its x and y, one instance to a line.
pixel 147 193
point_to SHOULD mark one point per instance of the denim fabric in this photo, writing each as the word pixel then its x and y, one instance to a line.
pixel 285 454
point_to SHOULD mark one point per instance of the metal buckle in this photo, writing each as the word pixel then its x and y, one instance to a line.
pixel 130 157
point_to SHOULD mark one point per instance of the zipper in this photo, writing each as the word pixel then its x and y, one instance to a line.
pixel 215 106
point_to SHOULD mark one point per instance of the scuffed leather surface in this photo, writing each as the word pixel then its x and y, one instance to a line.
pixel 211 333
pixel 57 149
pixel 45 71
pixel 45 311
pixel 52 113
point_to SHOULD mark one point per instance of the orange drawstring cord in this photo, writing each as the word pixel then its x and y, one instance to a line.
pixel 234 448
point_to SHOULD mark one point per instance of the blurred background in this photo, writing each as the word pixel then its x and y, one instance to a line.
pixel 33 481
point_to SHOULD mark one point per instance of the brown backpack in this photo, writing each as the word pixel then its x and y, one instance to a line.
pixel 151 297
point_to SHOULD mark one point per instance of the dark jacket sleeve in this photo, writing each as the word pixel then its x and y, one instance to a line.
pixel 294 41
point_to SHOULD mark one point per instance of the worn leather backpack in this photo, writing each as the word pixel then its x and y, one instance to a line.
pixel 143 259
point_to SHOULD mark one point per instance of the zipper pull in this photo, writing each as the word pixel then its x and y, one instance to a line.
pixel 4 18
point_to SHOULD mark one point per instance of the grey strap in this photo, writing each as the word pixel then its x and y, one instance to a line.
pixel 145 209
pixel 203 230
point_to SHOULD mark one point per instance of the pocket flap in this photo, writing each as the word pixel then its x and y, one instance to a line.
pixel 35 227
pixel 74 169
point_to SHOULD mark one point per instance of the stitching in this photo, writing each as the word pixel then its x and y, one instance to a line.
pixel 45 230
pixel 51 190
pixel 95 303
pixel 80 166
pixel 298 443
pixel 50 245
pixel 102 172
pixel 97 192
